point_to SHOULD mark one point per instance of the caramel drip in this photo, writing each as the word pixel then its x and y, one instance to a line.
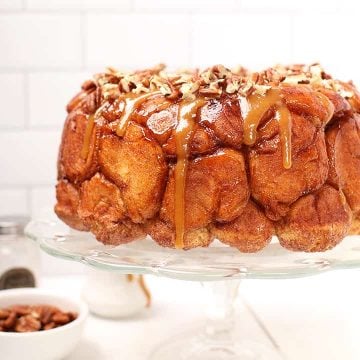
pixel 183 134
pixel 131 104
pixel 87 139
pixel 283 117
pixel 143 287
pixel 258 105
pixel 145 290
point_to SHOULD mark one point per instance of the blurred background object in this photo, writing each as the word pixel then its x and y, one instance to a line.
pixel 113 295
pixel 19 256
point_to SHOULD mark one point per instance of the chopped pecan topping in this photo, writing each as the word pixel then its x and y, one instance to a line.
pixel 211 82
pixel 88 85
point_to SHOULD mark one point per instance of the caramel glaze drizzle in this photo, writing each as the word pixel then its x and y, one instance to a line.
pixel 130 277
pixel 131 103
pixel 258 106
pixel 87 138
pixel 145 290
pixel 183 134
pixel 88 132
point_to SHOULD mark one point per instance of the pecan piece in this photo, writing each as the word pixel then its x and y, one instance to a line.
pixel 21 309
pixel 72 316
pixel 88 85
pixel 50 325
pixel 46 314
pixel 27 323
pixel 4 314
pixel 60 318
pixel 10 322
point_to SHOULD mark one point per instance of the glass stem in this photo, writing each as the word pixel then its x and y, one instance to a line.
pixel 220 310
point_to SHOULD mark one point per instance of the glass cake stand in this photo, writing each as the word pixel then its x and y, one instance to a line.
pixel 219 267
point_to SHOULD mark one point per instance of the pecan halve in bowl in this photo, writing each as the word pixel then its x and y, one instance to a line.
pixel 27 339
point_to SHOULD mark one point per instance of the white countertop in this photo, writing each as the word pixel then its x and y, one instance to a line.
pixel 311 318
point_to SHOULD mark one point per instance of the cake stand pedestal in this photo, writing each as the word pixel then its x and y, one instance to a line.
pixel 219 268
pixel 220 338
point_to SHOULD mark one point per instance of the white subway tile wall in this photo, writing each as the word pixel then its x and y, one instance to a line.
pixel 13 94
pixel 13 201
pixel 40 40
pixel 47 47
pixel 49 92
pixel 137 40
pixel 79 4
pixel 42 199
pixel 306 6
pixel 241 38
pixel 11 4
pixel 187 5
pixel 324 38
pixel 28 157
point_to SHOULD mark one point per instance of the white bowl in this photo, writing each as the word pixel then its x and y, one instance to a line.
pixel 54 344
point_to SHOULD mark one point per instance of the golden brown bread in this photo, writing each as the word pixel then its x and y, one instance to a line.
pixel 103 211
pixel 194 156
pixel 250 232
pixel 316 222
pixel 67 205
pixel 275 187
pixel 137 166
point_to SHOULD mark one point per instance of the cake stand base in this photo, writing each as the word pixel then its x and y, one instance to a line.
pixel 218 340
pixel 185 348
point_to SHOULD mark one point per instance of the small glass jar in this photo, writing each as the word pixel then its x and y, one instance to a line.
pixel 19 256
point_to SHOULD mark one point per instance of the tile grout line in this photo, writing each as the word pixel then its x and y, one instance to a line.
pixel 24 186
pixel 190 40
pixel 35 128
pixel 83 33
pixel 292 34
pixel 10 69
pixel 167 11
pixel 26 94
pixel 132 7
pixel 28 200
pixel 62 11
pixel 263 327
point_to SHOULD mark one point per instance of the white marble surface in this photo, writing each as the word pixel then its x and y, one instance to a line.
pixel 311 318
